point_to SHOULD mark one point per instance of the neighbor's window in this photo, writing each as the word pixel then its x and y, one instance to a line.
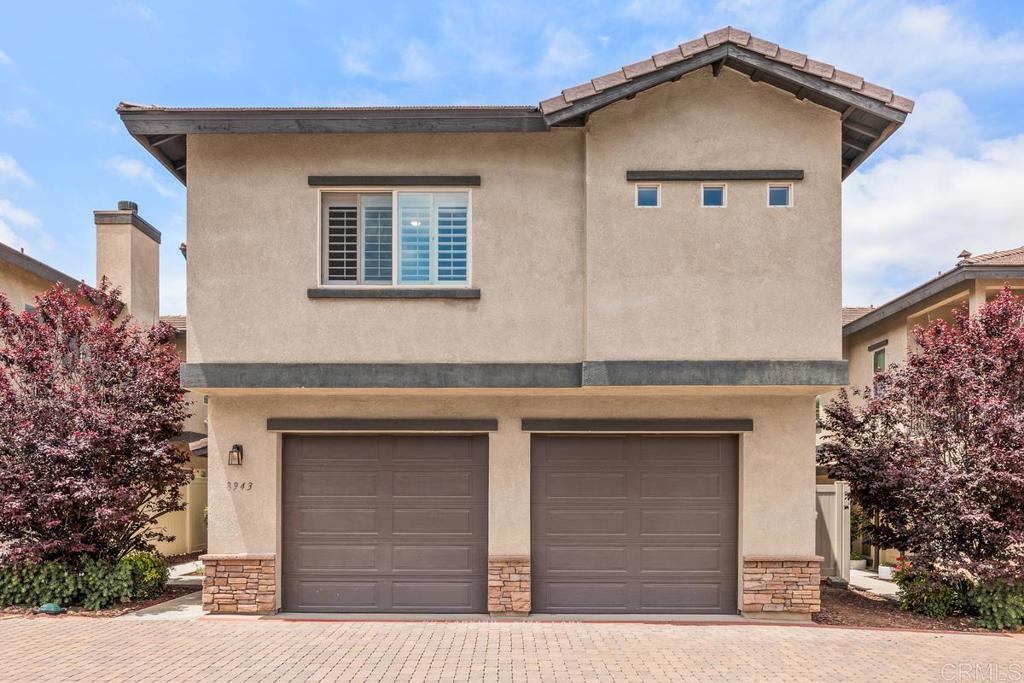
pixel 878 360
pixel 780 195
pixel 712 196
pixel 365 244
pixel 648 196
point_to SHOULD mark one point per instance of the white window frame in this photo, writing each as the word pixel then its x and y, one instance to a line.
pixel 395 266
pixel 646 186
pixel 768 195
pixel 725 195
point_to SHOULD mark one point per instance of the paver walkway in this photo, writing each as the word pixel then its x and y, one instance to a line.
pixel 83 649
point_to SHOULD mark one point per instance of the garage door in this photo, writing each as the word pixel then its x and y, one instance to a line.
pixel 385 524
pixel 634 524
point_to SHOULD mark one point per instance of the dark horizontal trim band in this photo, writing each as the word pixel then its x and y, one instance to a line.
pixel 392 293
pixel 878 344
pixel 379 375
pixel 394 180
pixel 779 174
pixel 536 424
pixel 512 375
pixel 714 373
pixel 345 424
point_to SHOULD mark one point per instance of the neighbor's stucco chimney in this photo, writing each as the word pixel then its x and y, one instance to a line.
pixel 128 254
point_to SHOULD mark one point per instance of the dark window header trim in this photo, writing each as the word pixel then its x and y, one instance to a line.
pixel 394 181
pixel 718 175
pixel 878 345
pixel 534 424
pixel 347 424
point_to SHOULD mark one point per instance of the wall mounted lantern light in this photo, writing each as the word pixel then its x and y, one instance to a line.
pixel 235 455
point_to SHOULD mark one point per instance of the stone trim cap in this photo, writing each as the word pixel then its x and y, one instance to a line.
pixel 237 556
pixel 783 558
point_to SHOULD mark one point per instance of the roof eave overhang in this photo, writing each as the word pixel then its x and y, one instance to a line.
pixel 867 123
pixel 930 289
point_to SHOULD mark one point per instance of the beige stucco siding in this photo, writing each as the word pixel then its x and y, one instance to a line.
pixel 777 458
pixel 682 281
pixel 253 251
pixel 20 287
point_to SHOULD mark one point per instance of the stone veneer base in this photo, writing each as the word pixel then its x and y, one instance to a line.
pixel 508 585
pixel 240 584
pixel 781 586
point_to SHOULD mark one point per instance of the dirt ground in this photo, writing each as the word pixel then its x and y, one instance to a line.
pixel 170 592
pixel 856 607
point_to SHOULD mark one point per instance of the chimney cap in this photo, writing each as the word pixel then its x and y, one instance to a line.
pixel 125 205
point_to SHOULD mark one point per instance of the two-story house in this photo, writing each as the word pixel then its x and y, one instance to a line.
pixel 555 358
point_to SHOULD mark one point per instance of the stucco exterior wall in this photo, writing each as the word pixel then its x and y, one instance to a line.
pixel 741 282
pixel 131 261
pixel 253 241
pixel 20 287
pixel 776 472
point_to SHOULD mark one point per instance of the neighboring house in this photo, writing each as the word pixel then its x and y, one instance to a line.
pixel 514 359
pixel 875 338
pixel 127 253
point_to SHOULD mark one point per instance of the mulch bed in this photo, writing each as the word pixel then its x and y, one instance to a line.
pixel 170 593
pixel 859 608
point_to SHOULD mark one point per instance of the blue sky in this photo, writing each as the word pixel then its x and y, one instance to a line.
pixel 952 178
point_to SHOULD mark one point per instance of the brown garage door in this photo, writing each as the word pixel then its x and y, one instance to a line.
pixel 385 524
pixel 633 524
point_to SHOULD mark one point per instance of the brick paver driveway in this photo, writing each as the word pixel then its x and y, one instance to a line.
pixel 77 649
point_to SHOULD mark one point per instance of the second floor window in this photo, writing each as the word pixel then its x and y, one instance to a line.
pixel 878 360
pixel 395 238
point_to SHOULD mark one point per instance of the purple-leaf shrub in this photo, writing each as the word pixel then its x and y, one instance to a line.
pixel 935 451
pixel 88 403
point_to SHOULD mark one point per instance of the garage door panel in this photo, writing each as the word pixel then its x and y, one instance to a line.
pixel 686 524
pixel 661 539
pixel 575 523
pixel 311 558
pixel 423 527
pixel 585 485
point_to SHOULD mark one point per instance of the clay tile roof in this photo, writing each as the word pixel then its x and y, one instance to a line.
pixel 1007 257
pixel 175 321
pixel 734 36
pixel 851 313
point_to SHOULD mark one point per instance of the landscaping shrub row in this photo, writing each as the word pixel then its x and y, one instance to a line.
pixel 92 583
pixel 996 605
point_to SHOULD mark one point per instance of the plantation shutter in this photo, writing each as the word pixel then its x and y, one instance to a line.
pixel 377 227
pixel 342 242
pixel 452 236
pixel 414 210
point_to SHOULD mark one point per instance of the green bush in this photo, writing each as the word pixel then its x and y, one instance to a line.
pixel 925 594
pixel 92 583
pixel 998 605
pixel 149 573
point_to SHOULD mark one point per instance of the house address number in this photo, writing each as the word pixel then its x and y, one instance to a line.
pixel 239 486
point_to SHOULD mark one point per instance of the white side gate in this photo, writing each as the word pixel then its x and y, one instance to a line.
pixel 832 536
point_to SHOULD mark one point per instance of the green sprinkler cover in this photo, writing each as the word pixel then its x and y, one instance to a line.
pixel 50 608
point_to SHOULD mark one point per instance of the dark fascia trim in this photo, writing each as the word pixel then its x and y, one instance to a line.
pixel 730 53
pixel 931 288
pixel 536 424
pixel 155 121
pixel 793 174
pixel 127 218
pixel 394 180
pixel 511 375
pixel 37 268
pixel 345 424
pixel 392 293
pixel 878 345
pixel 379 375
pixel 715 373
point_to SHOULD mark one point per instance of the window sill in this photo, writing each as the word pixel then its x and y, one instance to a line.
pixel 392 293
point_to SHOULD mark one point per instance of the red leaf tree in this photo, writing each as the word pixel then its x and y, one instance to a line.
pixel 88 404
pixel 936 448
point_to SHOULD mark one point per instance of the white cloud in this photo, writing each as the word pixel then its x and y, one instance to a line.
pixel 354 57
pixel 18 117
pixel 13 217
pixel 133 10
pixel 10 170
pixel 907 217
pixel 5 60
pixel 565 53
pixel 139 173
pixel 416 62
